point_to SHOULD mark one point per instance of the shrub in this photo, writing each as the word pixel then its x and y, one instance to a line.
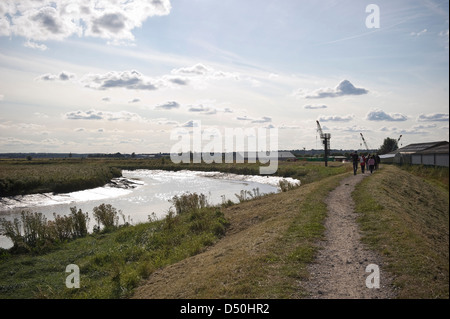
pixel 80 222
pixel 32 232
pixel 189 202
pixel 61 228
pixel 246 195
pixel 285 185
pixel 12 230
pixel 34 228
pixel 107 216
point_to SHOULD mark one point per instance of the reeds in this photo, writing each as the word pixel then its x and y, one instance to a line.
pixel 189 202
pixel 18 178
pixel 32 232
pixel 285 185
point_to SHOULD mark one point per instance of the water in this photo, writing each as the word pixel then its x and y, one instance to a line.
pixel 139 194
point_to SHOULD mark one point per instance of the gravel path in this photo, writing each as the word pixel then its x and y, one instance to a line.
pixel 340 268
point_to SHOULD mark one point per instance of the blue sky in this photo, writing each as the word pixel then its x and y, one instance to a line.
pixel 120 76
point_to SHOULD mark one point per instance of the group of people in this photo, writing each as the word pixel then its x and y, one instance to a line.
pixel 369 162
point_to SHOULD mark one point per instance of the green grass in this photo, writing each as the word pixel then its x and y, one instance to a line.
pixel 438 176
pixel 19 177
pixel 111 264
pixel 297 247
pixel 406 220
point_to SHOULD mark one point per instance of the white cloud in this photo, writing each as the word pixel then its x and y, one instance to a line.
pixel 34 45
pixel 345 87
pixel 198 69
pixel 418 34
pixel 335 118
pixel 102 115
pixel 63 76
pixel 433 117
pixel 59 19
pixel 168 105
pixel 132 80
pixel 314 107
pixel 202 109
pixel 204 71
pixel 198 108
pixel 352 129
pixel 264 119
pixel 190 123
pixel 379 115
pixel 243 118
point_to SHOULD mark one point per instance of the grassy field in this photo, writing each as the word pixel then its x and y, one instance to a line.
pixel 19 177
pixel 404 215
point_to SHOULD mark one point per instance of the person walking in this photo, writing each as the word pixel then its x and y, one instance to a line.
pixel 377 161
pixel 354 157
pixel 371 164
pixel 362 162
pixel 367 162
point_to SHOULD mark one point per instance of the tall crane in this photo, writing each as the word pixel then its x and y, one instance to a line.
pixel 399 139
pixel 364 140
pixel 325 137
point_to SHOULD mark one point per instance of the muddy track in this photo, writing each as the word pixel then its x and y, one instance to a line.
pixel 339 271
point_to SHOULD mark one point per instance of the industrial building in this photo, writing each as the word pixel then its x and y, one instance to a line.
pixel 432 153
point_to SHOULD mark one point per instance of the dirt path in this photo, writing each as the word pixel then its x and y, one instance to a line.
pixel 340 268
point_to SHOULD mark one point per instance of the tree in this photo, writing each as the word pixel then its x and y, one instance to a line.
pixel 389 145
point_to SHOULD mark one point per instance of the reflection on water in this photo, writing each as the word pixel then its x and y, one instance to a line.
pixel 138 194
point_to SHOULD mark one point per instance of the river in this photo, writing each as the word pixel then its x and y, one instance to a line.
pixel 138 194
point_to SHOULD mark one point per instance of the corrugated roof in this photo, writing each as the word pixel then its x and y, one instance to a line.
pixel 419 147
pixel 440 149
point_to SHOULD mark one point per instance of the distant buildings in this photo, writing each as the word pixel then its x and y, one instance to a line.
pixel 432 153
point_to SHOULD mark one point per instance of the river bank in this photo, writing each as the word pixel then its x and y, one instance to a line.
pixel 263 249
pixel 140 193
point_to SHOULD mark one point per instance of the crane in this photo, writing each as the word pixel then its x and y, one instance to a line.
pixel 325 137
pixel 364 140
pixel 398 140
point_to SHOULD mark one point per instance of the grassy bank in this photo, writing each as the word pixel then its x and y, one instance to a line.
pixel 264 253
pixel 112 263
pixel 19 177
pixel 285 263
pixel 404 215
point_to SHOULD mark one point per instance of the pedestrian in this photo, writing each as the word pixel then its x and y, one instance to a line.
pixel 367 161
pixel 362 162
pixel 377 161
pixel 354 157
pixel 371 164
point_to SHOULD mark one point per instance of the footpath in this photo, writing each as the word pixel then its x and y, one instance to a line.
pixel 344 267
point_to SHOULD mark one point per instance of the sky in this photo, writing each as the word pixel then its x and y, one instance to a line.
pixel 122 76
